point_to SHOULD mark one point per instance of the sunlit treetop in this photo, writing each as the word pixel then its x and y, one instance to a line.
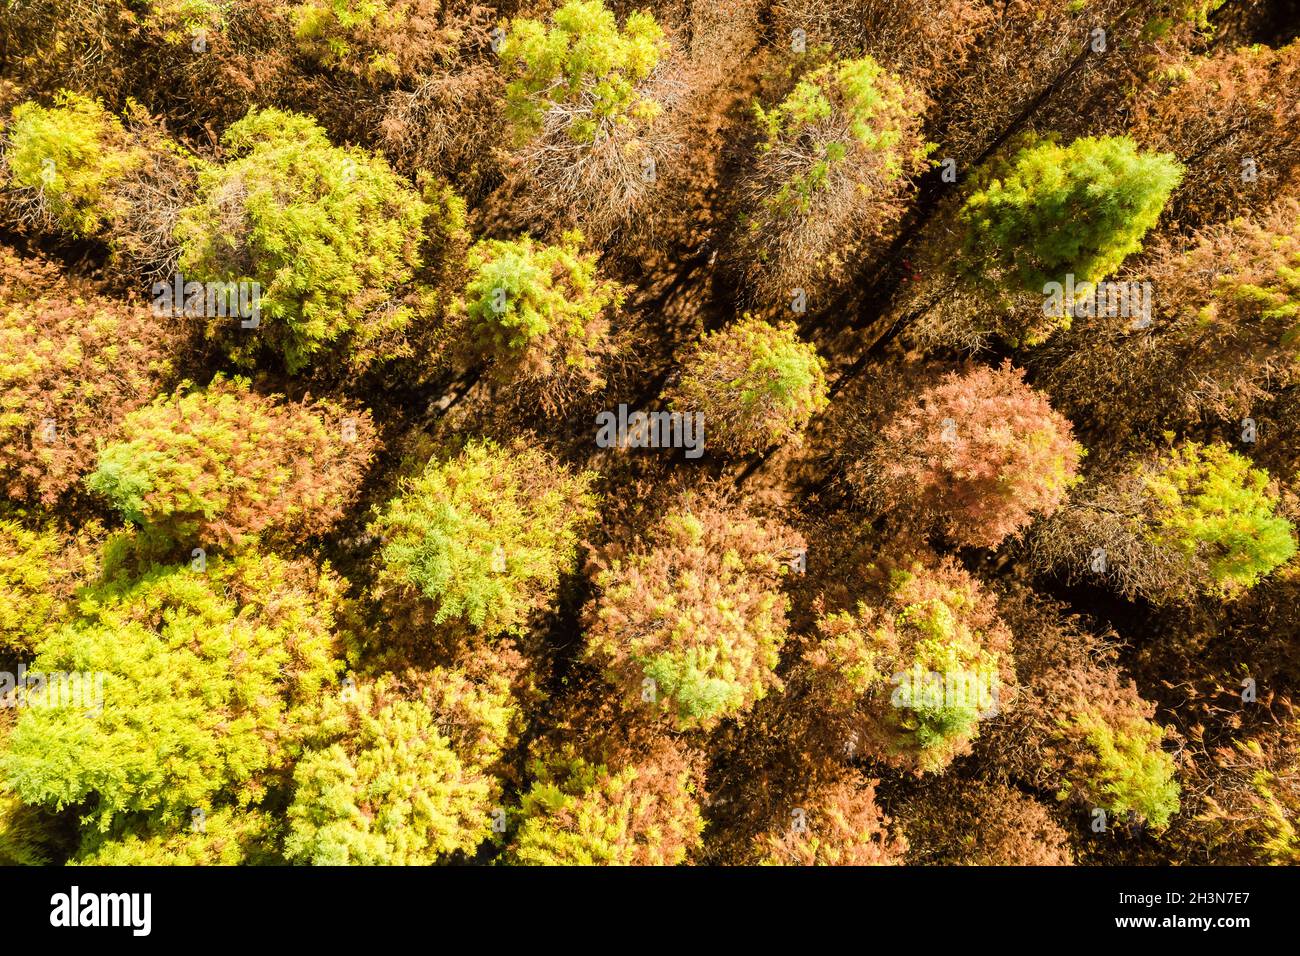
pixel 380 783
pixel 205 676
pixel 919 669
pixel 1049 211
pixel 223 466
pixel 39 570
pixel 579 813
pixel 844 109
pixel 540 313
pixel 581 65
pixel 1211 505
pixel 70 154
pixel 756 384
pixel 376 39
pixel 329 233
pixel 1120 766
pixel 486 535
pixel 691 619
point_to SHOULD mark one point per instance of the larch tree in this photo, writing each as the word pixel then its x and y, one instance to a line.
pixel 1052 56
pixel 65 160
pixel 1251 797
pixel 386 778
pixel 689 618
pixel 980 451
pixel 1037 217
pixel 584 105
pixel 73 363
pixel 1112 758
pixel 643 810
pixel 1193 520
pixel 540 315
pixel 485 536
pixel 331 235
pixel 915 667
pixel 76 168
pixel 379 40
pixel 1080 731
pixel 922 40
pixel 199 681
pixel 1229 118
pixel 756 384
pixel 835 160
pixel 1221 339
pixel 224 466
pixel 838 824
pixel 975 824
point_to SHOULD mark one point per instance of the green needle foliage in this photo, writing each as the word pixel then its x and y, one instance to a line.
pixel 38 572
pixel 540 313
pixel 691 618
pixel 810 103
pixel 376 39
pixel 67 157
pixel 228 836
pixel 757 384
pixel 179 20
pixel 1050 211
pixel 1210 505
pixel 224 465
pixel 841 109
pixel 835 160
pixel 579 813
pixel 27 837
pixel 1121 767
pixel 582 67
pixel 206 674
pixel 487 535
pixel 330 233
pixel 916 671
pixel 380 783
pixel 1170 13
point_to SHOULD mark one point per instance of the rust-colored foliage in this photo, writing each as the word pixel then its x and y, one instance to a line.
pixel 72 363
pixel 924 40
pixel 1078 727
pixel 976 824
pixel 896 616
pixel 1231 118
pixel 916 665
pixel 980 450
pixel 618 809
pixel 225 465
pixel 689 616
pixel 838 825
pixel 1222 338
pixel 1251 805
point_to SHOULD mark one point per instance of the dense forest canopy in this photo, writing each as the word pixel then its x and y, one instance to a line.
pixel 652 432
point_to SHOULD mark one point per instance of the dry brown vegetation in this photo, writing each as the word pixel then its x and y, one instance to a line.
pixel 639 656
